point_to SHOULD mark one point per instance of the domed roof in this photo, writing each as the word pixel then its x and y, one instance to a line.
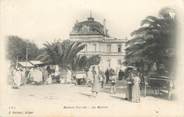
pixel 88 27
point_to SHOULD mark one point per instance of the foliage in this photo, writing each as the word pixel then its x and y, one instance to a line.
pixel 16 49
pixel 61 53
pixel 94 60
pixel 81 62
pixel 154 42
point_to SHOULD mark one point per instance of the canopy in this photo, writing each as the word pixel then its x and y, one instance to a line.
pixel 25 64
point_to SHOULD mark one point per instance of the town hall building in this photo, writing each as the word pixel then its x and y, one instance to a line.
pixel 98 42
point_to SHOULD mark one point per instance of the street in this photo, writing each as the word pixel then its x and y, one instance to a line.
pixel 71 100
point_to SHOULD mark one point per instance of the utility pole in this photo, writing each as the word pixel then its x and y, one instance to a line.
pixel 26 54
pixel 17 61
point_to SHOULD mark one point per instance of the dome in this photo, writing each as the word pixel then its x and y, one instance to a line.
pixel 88 27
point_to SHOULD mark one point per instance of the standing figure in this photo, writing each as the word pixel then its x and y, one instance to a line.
pixel 27 71
pixel 49 79
pixel 101 77
pixel 57 74
pixel 121 74
pixel 107 75
pixel 90 77
pixel 135 87
pixel 17 78
pixel 45 75
pixel 96 81
pixel 69 76
pixel 113 79
pixel 129 82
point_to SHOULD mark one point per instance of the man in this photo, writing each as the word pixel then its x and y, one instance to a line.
pixel 107 75
pixel 101 76
pixel 113 78
pixel 96 81
pixel 121 74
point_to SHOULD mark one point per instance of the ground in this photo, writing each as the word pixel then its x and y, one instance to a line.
pixel 70 100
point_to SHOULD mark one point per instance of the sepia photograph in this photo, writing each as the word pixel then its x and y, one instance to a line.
pixel 91 58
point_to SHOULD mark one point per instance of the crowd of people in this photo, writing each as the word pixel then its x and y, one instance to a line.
pixel 37 75
pixel 99 79
pixel 111 76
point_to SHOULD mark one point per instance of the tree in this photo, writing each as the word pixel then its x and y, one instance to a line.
pixel 154 42
pixel 81 62
pixel 61 53
pixel 16 49
pixel 94 60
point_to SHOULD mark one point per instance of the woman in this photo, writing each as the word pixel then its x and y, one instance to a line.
pixel 129 83
pixel 135 87
pixel 96 81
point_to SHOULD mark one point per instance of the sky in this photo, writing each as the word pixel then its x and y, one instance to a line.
pixel 47 20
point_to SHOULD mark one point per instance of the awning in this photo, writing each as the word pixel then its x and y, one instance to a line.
pixel 25 64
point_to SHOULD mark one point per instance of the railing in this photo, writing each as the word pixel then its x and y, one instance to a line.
pixel 103 53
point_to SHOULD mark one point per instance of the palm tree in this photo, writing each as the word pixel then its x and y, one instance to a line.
pixel 154 42
pixel 61 53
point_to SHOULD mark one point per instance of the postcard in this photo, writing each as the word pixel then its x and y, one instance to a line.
pixel 80 58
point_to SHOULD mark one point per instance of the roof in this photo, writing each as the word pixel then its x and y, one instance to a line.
pixel 30 63
pixel 89 27
pixel 25 64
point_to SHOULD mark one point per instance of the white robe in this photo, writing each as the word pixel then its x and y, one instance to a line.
pixel 69 76
pixel 17 78
pixel 49 79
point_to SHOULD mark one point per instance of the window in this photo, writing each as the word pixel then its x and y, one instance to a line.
pixel 108 48
pixel 119 48
pixel 94 47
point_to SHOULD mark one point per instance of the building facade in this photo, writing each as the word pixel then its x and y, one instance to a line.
pixel 98 42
